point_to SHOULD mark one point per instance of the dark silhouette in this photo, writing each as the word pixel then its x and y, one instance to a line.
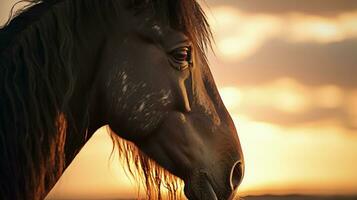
pixel 69 67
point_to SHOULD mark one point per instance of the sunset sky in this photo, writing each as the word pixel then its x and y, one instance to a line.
pixel 286 71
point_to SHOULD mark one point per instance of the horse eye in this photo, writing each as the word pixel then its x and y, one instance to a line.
pixel 182 55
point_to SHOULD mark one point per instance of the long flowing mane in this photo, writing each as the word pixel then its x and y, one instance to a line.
pixel 37 79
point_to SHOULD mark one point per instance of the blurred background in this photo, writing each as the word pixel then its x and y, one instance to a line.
pixel 286 71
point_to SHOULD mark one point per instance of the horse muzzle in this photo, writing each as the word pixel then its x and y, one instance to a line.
pixel 202 186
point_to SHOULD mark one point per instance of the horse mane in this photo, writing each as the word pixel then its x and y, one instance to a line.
pixel 36 82
pixel 37 79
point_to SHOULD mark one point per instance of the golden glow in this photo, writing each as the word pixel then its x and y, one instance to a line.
pixel 231 97
pixel 329 96
pixel 351 107
pixel 287 95
pixel 311 158
pixel 304 159
pixel 284 94
pixel 93 174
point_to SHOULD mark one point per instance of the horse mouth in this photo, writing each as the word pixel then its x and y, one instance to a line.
pixel 203 189
pixel 200 190
pixel 210 191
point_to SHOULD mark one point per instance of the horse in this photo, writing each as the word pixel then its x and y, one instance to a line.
pixel 139 67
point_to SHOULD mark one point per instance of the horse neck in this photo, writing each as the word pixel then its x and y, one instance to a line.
pixel 85 115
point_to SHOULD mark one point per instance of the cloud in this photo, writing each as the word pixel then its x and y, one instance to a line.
pixel 287 102
pixel 309 28
pixel 240 34
pixel 309 63
pixel 285 95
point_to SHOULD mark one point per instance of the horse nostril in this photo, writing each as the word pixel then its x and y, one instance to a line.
pixel 236 175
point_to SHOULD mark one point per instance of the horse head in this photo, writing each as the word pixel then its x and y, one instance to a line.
pixel 159 94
